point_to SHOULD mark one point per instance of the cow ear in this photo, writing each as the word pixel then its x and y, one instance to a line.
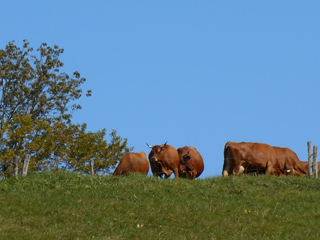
pixel 186 154
pixel 186 157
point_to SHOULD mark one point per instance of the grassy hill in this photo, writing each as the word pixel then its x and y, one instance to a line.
pixel 72 206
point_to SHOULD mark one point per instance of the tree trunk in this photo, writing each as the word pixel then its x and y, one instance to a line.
pixel 15 163
pixel 92 167
pixel 26 165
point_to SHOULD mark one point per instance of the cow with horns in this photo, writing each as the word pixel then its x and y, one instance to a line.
pixel 164 160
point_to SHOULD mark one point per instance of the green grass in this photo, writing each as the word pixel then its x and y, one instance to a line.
pixel 72 206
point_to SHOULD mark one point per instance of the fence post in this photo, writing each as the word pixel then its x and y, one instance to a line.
pixel 15 163
pixel 92 167
pixel 25 165
pixel 315 161
pixel 309 159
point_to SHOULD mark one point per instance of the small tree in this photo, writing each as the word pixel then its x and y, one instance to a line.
pixel 87 146
pixel 36 105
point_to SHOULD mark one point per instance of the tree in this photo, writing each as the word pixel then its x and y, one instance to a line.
pixel 87 146
pixel 36 105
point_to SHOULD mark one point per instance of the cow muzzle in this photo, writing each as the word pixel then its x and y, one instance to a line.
pixel 153 159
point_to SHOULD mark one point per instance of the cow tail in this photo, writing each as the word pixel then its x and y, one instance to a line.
pixel 226 163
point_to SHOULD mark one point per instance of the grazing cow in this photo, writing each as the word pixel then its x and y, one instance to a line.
pixel 305 166
pixel 133 163
pixel 191 162
pixel 245 157
pixel 164 160
pixel 288 163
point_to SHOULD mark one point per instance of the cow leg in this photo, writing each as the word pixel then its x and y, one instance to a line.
pixel 276 172
pixel 238 170
pixel 241 170
pixel 269 169
pixel 295 173
pixel 176 173
pixel 226 168
pixel 225 173
pixel 167 173
pixel 192 174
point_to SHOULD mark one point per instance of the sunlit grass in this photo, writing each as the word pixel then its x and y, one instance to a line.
pixel 71 206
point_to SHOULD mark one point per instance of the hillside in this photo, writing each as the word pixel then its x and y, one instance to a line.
pixel 72 206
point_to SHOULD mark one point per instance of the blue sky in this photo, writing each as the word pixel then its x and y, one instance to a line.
pixel 195 73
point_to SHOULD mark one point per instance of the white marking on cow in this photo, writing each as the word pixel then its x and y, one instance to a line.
pixel 241 170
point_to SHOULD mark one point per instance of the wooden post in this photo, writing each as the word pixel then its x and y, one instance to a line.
pixel 309 159
pixel 315 161
pixel 25 165
pixel 92 167
pixel 15 164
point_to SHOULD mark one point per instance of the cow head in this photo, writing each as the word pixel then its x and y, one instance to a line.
pixel 156 152
pixel 184 158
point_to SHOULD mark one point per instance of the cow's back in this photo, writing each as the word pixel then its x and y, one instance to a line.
pixel 171 154
pixel 194 166
pixel 198 160
pixel 133 162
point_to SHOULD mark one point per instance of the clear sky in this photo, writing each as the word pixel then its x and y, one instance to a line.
pixel 195 73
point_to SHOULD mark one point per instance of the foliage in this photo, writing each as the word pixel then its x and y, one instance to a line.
pixel 34 86
pixel 36 106
pixel 72 206
pixel 85 147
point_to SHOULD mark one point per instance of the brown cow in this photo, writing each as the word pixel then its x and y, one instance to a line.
pixel 291 165
pixel 164 160
pixel 133 163
pixel 191 162
pixel 246 157
pixel 288 163
pixel 304 166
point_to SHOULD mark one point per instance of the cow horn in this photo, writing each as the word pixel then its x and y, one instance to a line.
pixel 164 144
pixel 149 146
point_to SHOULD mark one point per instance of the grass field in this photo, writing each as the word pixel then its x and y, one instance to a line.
pixel 72 206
